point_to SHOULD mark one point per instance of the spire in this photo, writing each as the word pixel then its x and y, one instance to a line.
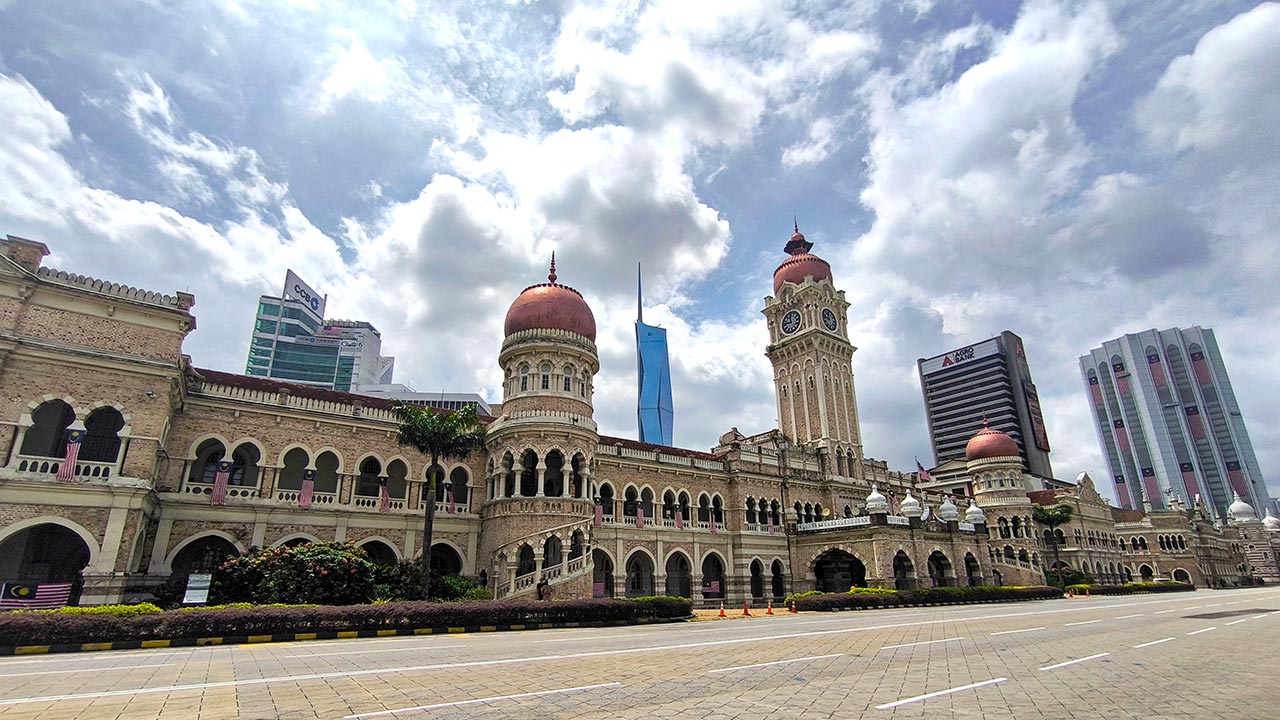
pixel 639 297
pixel 797 245
pixel 552 275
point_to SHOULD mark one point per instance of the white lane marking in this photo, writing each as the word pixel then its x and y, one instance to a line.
pixel 1082 622
pixel 1202 630
pixel 1193 607
pixel 1161 612
pixel 1258 617
pixel 1233 622
pixel 1154 642
pixel 585 639
pixel 1126 617
pixel 478 701
pixel 1011 632
pixel 1073 662
pixel 777 662
pixel 926 642
pixel 940 693
pixel 84 670
pixel 369 652
pixel 1215 605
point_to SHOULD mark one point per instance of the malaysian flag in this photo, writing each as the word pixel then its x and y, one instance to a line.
pixel 68 469
pixel 924 474
pixel 452 508
pixel 769 514
pixel 640 517
pixel 308 487
pixel 45 596
pixel 679 518
pixel 714 529
pixel 384 504
pixel 220 479
pixel 599 513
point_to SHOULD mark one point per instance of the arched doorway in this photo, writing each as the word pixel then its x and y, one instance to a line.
pixel 757 579
pixel 203 555
pixel 45 553
pixel 639 575
pixel 1147 573
pixel 940 571
pixel 838 571
pixel 527 563
pixel 381 553
pixel 1182 576
pixel 446 561
pixel 904 571
pixel 779 581
pixel 712 577
pixel 602 574
pixel 972 570
pixel 679 576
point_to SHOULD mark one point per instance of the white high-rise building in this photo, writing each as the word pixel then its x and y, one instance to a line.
pixel 1168 421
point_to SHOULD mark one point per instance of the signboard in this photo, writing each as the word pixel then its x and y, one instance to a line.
pixel 948 360
pixel 197 589
pixel 296 289
pixel 309 340
pixel 1037 418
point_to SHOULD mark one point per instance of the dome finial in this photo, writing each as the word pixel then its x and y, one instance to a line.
pixel 552 275
pixel 795 222
pixel 797 245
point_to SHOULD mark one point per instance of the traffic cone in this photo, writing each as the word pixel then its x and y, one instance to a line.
pixel 770 610
pixel 721 608
pixel 793 606
pixel 1086 593
pixel 745 611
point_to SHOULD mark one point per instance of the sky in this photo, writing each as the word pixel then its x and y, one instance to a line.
pixel 1071 171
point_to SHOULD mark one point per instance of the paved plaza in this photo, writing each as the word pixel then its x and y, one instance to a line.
pixel 1208 654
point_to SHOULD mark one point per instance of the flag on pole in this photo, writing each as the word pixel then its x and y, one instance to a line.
pixel 308 487
pixel 452 508
pixel 769 514
pixel 679 518
pixel 68 469
pixel 220 479
pixel 599 513
pixel 639 516
pixel 714 530
pixel 45 596
pixel 384 504
pixel 924 474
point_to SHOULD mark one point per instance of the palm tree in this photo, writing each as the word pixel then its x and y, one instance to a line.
pixel 437 435
pixel 1054 517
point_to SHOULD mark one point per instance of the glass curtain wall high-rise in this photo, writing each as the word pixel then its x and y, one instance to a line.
pixel 1168 421
pixel 654 412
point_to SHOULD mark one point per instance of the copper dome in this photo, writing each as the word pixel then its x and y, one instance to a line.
pixel 551 306
pixel 801 264
pixel 990 443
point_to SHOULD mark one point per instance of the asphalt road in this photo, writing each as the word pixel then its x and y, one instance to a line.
pixel 1208 654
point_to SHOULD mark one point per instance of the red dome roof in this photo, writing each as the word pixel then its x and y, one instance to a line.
pixel 550 306
pixel 797 267
pixel 990 443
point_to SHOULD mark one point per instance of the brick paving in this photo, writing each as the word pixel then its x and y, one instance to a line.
pixel 666 671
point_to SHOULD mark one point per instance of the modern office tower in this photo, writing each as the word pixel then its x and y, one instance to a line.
pixel 989 382
pixel 292 341
pixel 1168 421
pixel 654 409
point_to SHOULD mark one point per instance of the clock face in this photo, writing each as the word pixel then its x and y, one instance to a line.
pixel 829 319
pixel 791 322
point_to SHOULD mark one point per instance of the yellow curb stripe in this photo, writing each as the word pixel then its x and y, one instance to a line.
pixel 344 634
pixel 422 631
pixel 90 647
pixel 457 630
pixel 305 636
pixel 488 628
pixel 259 638
pixel 155 644
pixel 31 650
pixel 517 627
pixel 386 633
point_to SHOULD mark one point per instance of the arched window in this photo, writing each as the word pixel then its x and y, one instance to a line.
pixel 326 472
pixel 582 385
pixel 568 378
pixel 47 436
pixel 751 511
pixel 683 501
pixel 630 499
pixel 367 484
pixel 295 464
pixel 458 479
pixel 1182 543
pixel 244 464
pixel 398 479
pixel 545 371
pixel 101 439
pixel 205 466
pixel 524 378
pixel 606 499
pixel 704 509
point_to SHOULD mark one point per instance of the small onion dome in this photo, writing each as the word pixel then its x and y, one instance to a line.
pixel 1271 522
pixel 801 264
pixel 550 306
pixel 990 443
pixel 911 507
pixel 1241 511
pixel 947 511
pixel 876 503
pixel 974 514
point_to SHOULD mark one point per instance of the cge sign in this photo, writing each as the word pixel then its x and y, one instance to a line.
pixel 296 289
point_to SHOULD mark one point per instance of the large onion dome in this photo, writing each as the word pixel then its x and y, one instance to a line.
pixel 990 443
pixel 551 306
pixel 801 264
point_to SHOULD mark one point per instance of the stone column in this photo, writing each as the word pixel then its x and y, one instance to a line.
pixel 517 470
pixel 542 477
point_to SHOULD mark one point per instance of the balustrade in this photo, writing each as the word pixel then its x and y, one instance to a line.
pixel 85 469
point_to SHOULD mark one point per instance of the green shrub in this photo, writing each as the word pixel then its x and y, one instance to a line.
pixel 330 573
pixel 1131 588
pixel 123 611
pixel 478 593
pixel 1067 576
pixel 800 596
pixel 924 596
pixel 57 628
pixel 872 591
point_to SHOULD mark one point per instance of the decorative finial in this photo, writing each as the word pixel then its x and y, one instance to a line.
pixel 984 415
pixel 795 222
pixel 552 275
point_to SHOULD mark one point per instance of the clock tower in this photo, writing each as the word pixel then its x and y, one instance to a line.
pixel 812 358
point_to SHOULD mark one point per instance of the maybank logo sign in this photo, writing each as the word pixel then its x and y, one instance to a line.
pixel 296 289
pixel 966 354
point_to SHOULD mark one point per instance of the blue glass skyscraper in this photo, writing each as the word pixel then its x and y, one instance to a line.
pixel 654 409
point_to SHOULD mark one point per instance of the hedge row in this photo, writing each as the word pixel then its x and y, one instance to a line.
pixel 57 628
pixel 1130 588
pixel 927 596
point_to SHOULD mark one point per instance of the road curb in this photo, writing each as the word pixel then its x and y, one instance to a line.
pixel 318 635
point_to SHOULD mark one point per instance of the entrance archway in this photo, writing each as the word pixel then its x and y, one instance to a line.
pixel 203 555
pixel 44 553
pixel 757 579
pixel 602 574
pixel 639 575
pixel 526 563
pixel 1147 573
pixel 779 580
pixel 838 571
pixel 904 571
pixel 1182 576
pixel 940 571
pixel 679 576
pixel 446 561
pixel 381 553
pixel 712 577
pixel 972 570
